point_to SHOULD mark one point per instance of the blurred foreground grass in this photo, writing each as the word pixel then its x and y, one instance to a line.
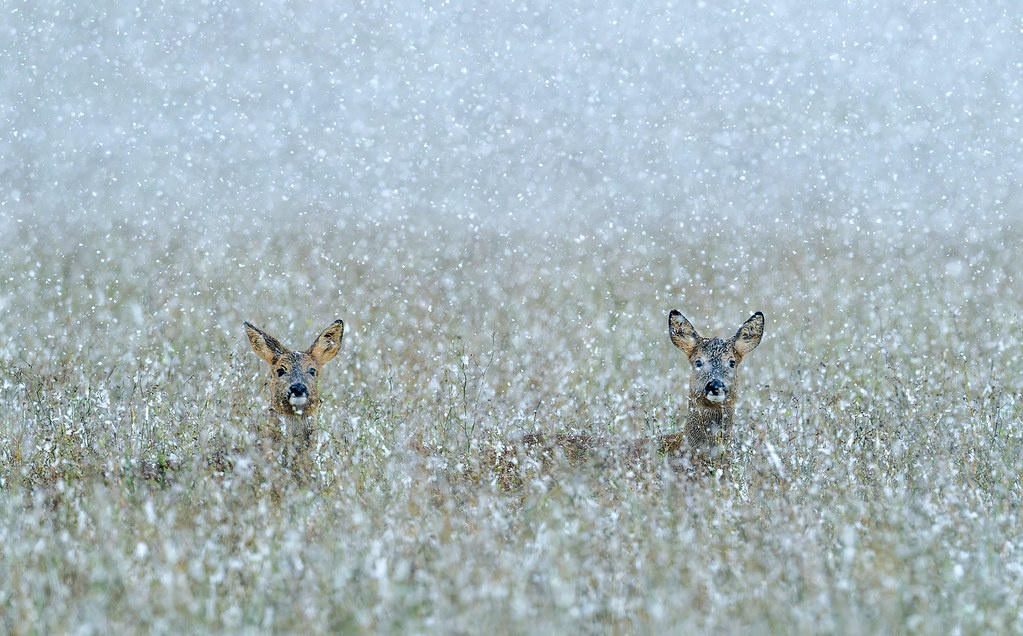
pixel 876 489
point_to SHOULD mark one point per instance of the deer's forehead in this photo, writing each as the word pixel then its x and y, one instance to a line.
pixel 294 358
pixel 715 348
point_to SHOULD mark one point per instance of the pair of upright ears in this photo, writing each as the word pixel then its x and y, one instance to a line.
pixel 684 336
pixel 323 349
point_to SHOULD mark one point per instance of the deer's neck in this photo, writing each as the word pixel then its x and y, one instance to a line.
pixel 709 429
pixel 291 421
pixel 297 429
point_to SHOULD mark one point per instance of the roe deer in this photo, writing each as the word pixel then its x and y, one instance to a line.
pixel 713 389
pixel 714 381
pixel 294 397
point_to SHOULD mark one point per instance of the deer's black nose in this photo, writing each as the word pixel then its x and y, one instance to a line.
pixel 298 390
pixel 715 387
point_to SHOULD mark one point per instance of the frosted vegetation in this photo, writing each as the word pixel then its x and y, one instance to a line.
pixel 503 205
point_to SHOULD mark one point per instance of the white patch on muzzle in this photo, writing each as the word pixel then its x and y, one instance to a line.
pixel 716 396
pixel 298 403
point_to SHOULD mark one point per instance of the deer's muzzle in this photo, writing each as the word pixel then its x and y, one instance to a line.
pixel 716 391
pixel 298 396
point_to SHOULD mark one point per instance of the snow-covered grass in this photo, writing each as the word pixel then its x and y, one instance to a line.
pixel 876 487
pixel 503 202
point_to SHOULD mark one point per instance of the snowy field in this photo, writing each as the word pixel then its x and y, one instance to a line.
pixel 503 204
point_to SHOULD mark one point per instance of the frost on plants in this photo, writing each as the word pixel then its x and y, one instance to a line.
pixel 504 201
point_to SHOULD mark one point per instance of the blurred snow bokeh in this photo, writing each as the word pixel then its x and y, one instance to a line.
pixel 875 113
pixel 503 203
pixel 545 181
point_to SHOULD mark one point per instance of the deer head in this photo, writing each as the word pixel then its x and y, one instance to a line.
pixel 294 374
pixel 713 382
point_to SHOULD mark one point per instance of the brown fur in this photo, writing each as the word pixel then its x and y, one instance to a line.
pixel 294 376
pixel 708 426
pixel 579 447
pixel 713 389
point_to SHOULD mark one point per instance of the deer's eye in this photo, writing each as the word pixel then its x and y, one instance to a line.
pixel 281 372
pixel 731 363
pixel 312 371
pixel 698 364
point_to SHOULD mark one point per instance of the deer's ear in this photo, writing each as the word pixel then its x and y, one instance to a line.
pixel 328 343
pixel 749 334
pixel 682 333
pixel 266 346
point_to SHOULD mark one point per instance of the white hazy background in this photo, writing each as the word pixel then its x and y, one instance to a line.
pixel 880 113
